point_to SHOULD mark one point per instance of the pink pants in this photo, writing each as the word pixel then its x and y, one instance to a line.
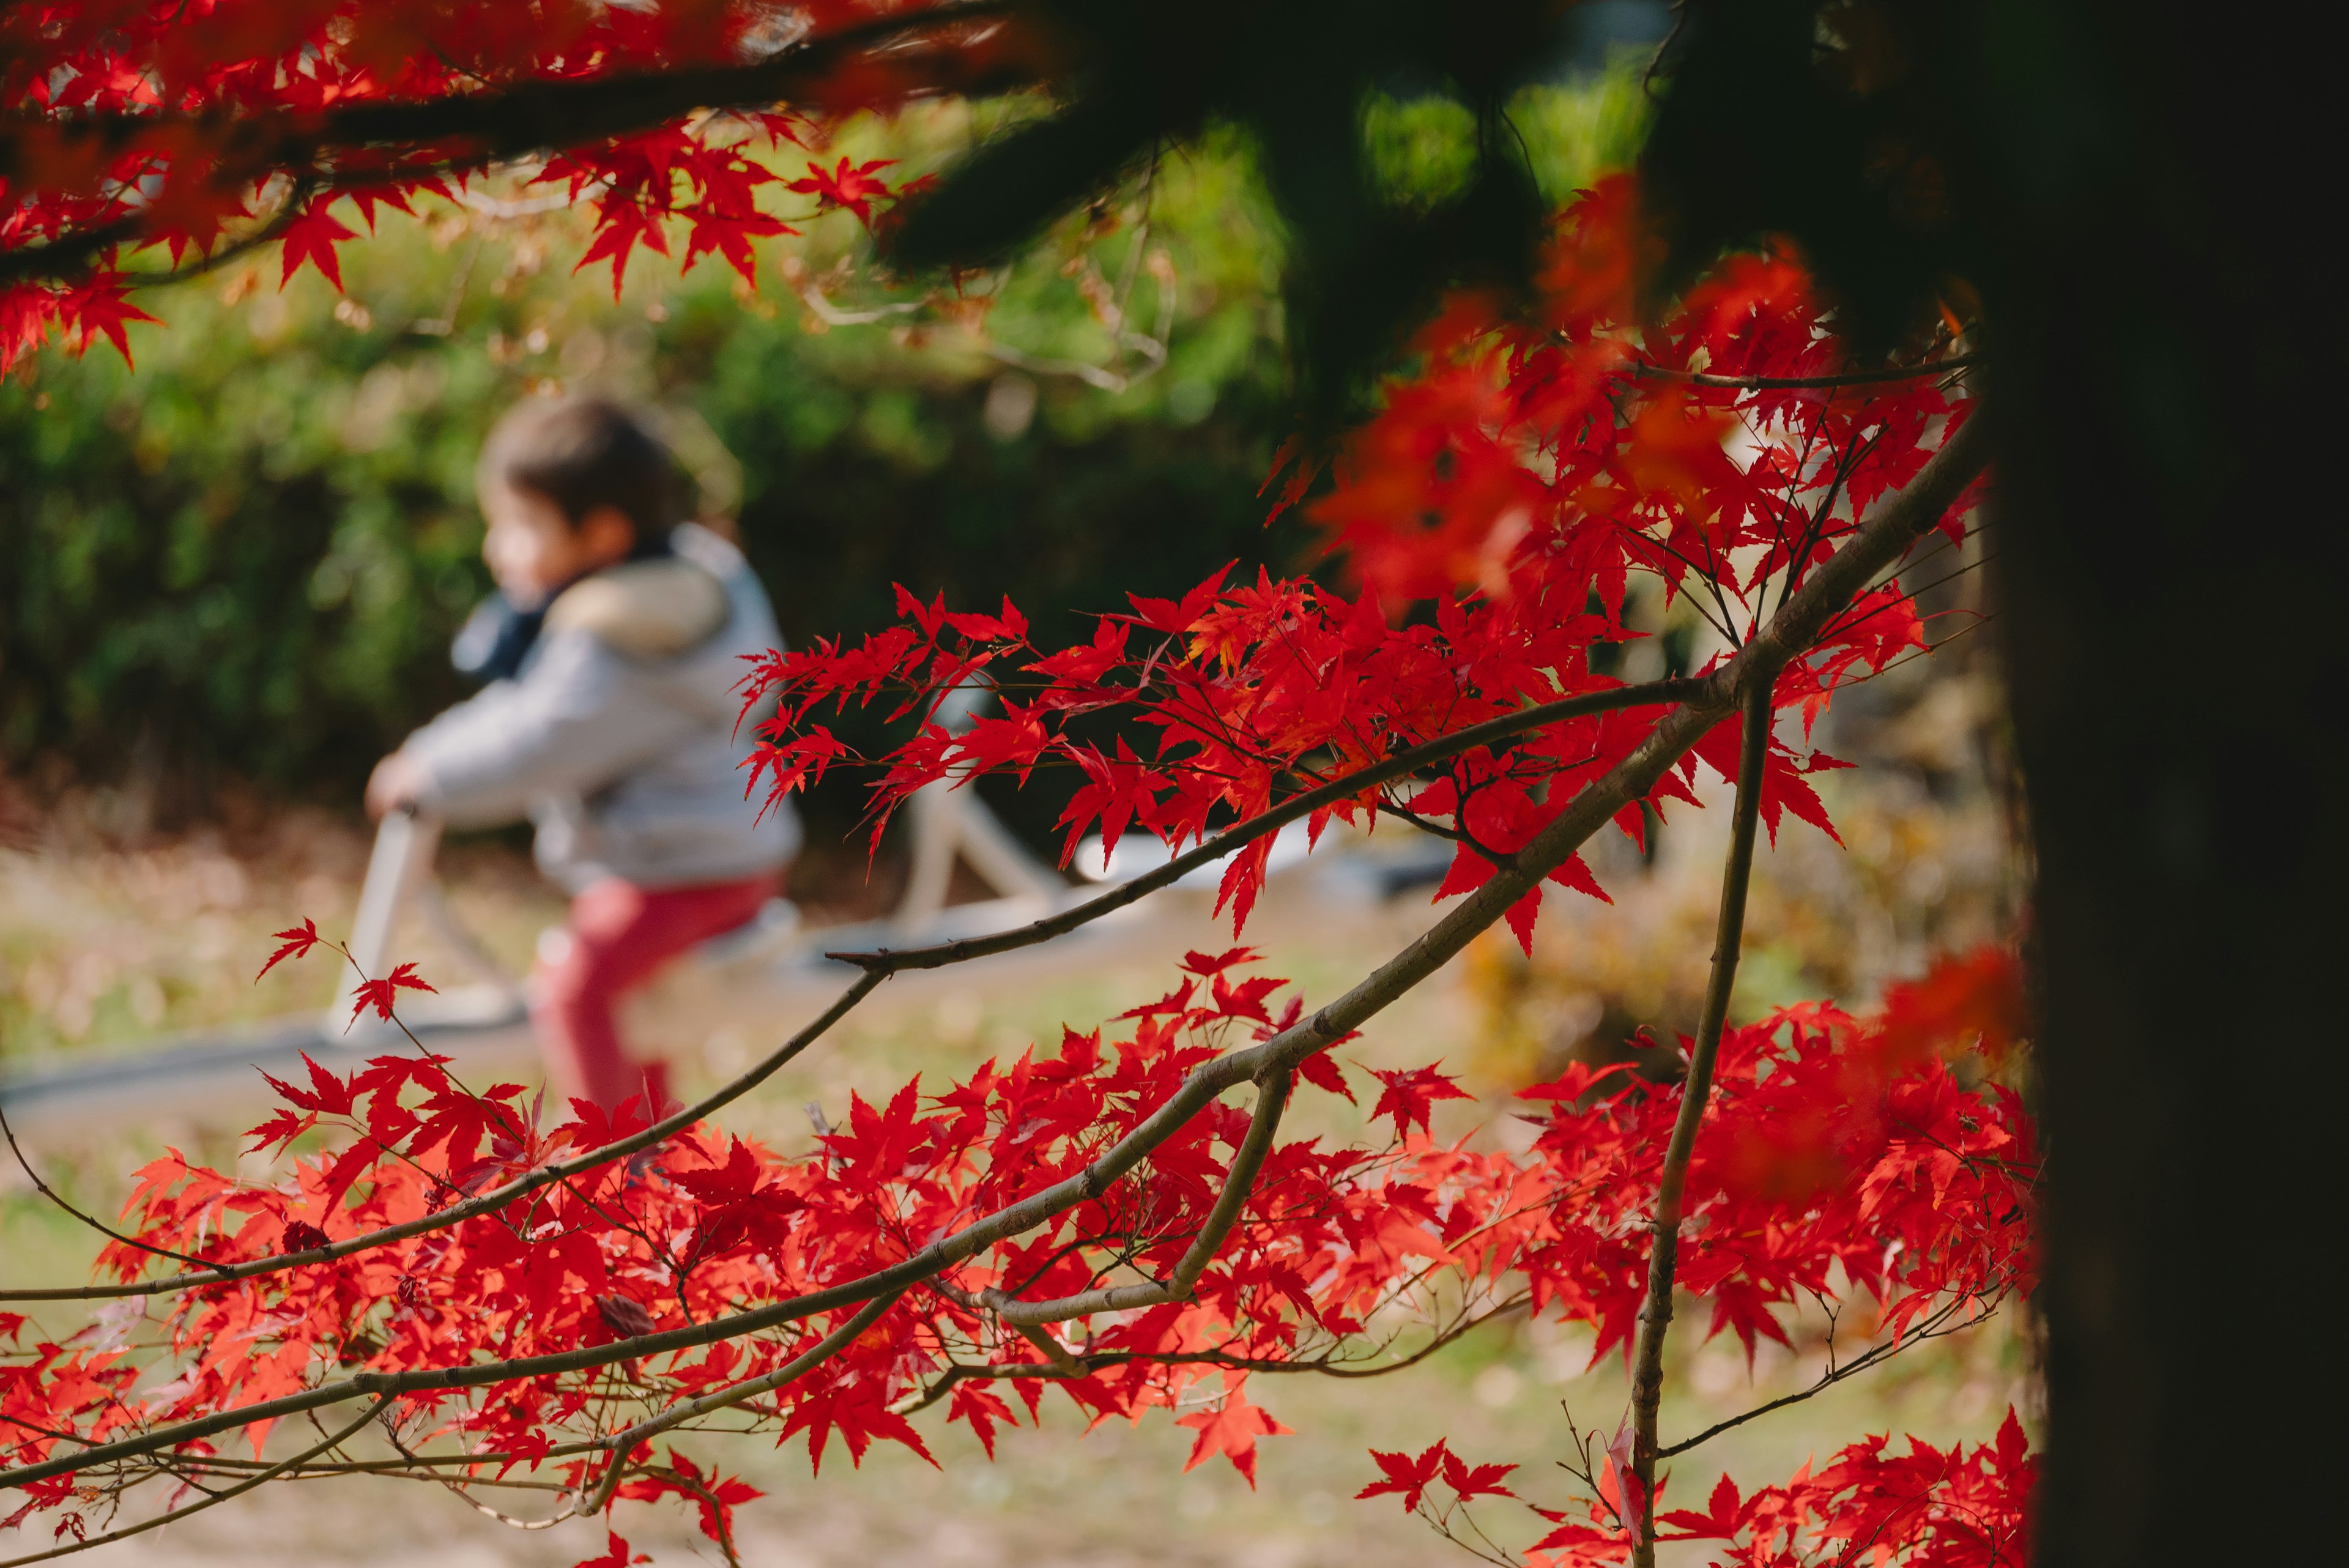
pixel 620 935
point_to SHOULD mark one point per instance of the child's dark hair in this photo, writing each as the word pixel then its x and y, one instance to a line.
pixel 585 452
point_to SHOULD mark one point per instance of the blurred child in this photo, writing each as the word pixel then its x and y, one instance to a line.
pixel 613 654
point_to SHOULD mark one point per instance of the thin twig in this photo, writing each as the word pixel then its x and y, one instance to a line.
pixel 1653 693
pixel 100 1226
pixel 496 1198
pixel 1646 372
pixel 1875 1355
pixel 215 1499
pixel 1656 1312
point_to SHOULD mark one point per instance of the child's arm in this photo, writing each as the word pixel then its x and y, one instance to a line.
pixel 575 721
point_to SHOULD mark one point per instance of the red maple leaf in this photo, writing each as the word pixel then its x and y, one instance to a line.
pixel 850 185
pixel 311 237
pixel 365 199
pixel 620 224
pixel 1723 1517
pixel 615 1554
pixel 298 940
pixel 1321 1071
pixel 1480 1480
pixel 1406 1476
pixel 731 1182
pixel 715 1495
pixel 1410 1093
pixel 301 1236
pixel 626 1318
pixel 327 1095
pixel 379 994
pixel 1231 1429
pixel 97 305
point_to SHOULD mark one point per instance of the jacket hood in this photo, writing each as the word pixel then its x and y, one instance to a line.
pixel 686 621
pixel 647 609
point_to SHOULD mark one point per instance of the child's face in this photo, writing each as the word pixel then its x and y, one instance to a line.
pixel 533 549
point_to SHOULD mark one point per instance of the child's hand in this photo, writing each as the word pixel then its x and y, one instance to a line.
pixel 396 783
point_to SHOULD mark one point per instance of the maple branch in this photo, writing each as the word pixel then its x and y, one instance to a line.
pixel 1272 1098
pixel 622 1444
pixel 1653 693
pixel 489 127
pixel 1755 666
pixel 1647 372
pixel 1933 1327
pixel 100 1226
pixel 497 1197
pixel 1696 1090
pixel 1078 1365
pixel 214 1499
pixel 404 1468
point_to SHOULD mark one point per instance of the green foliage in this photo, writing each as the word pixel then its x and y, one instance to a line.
pixel 1422 151
pixel 1574 131
pixel 248 552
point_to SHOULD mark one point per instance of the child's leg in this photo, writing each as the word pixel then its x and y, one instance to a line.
pixel 620 934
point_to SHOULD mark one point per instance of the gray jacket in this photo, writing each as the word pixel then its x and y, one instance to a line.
pixel 617 738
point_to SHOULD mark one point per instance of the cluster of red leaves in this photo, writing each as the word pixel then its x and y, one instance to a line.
pixel 1539 462
pixel 1967 1506
pixel 1931 1508
pixel 1556 450
pixel 180 127
pixel 1413 1476
pixel 1839 1147
pixel 1931 1208
pixel 1916 1187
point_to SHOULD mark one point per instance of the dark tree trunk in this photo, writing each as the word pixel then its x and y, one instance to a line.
pixel 2168 378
